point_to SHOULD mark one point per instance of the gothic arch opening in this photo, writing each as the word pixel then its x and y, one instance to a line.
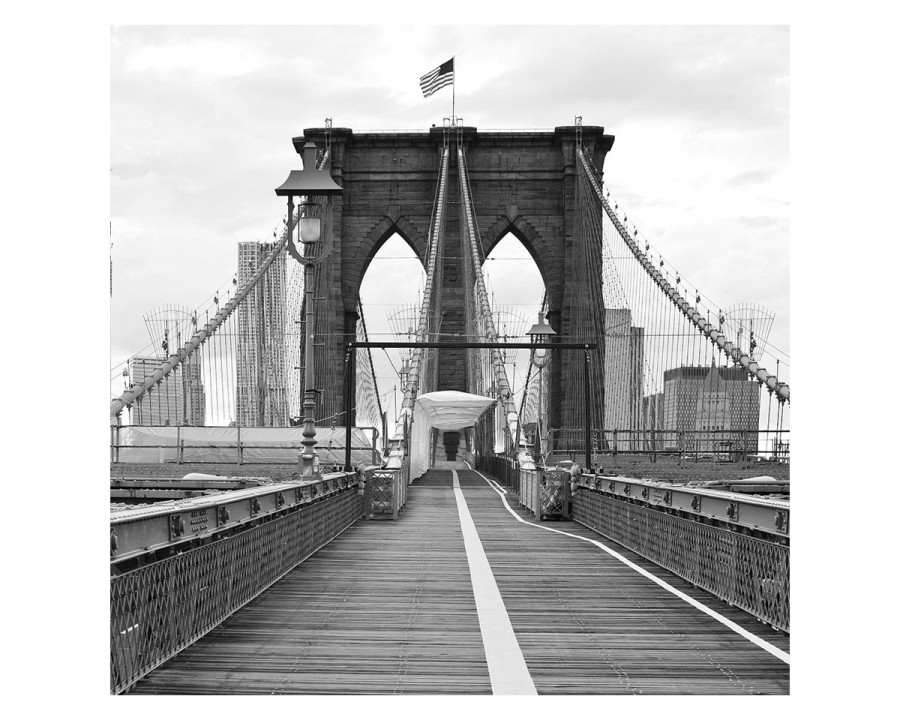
pixel 517 289
pixel 390 294
pixel 371 244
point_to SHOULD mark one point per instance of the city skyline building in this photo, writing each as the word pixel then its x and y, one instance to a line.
pixel 261 396
pixel 719 403
pixel 623 367
pixel 179 399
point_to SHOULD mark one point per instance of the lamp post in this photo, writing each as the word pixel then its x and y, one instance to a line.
pixel 309 249
pixel 404 377
pixel 404 386
pixel 540 333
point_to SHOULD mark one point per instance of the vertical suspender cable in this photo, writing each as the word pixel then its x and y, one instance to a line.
pixel 506 401
pixel 732 350
pixel 434 238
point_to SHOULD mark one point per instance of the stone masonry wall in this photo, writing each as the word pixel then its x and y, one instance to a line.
pixel 522 182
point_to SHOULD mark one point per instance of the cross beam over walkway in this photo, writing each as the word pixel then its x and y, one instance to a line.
pixel 410 607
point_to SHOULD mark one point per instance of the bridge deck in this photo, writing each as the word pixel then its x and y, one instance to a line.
pixel 390 607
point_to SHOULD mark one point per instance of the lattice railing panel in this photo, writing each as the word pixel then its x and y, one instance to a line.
pixel 388 490
pixel 159 610
pixel 383 483
pixel 748 572
pixel 553 494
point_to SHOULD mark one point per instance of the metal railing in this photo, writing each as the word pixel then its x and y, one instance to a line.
pixel 388 490
pixel 159 609
pixel 696 445
pixel 735 547
pixel 544 492
pixel 503 470
pixel 748 571
pixel 233 449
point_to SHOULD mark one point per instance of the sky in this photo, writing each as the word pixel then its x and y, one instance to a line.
pixel 64 79
pixel 201 120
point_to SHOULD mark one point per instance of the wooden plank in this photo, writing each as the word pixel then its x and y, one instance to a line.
pixel 388 608
pixel 588 624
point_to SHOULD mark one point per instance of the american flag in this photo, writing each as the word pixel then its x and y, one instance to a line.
pixel 433 81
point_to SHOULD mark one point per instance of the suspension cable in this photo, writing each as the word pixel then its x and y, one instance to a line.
pixel 127 398
pixel 417 358
pixel 733 351
pixel 510 413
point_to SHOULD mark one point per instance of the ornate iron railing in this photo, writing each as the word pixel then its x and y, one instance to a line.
pixel 544 492
pixel 503 470
pixel 158 610
pixel 691 445
pixel 388 488
pixel 749 572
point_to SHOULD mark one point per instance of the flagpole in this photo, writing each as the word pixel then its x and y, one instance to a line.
pixel 453 112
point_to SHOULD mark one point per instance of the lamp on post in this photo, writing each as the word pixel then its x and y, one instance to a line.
pixel 540 334
pixel 309 249
pixel 404 377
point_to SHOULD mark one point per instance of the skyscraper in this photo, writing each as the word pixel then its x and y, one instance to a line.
pixel 261 393
pixel 623 366
pixel 712 400
pixel 178 400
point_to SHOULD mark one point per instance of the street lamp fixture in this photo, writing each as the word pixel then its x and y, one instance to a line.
pixel 540 333
pixel 404 376
pixel 306 184
pixel 309 250
pixel 310 223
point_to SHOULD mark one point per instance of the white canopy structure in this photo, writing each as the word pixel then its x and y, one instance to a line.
pixel 443 410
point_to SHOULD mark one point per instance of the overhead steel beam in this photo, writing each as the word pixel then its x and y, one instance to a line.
pixel 467 344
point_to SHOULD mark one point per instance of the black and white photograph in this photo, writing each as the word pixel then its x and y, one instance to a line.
pixel 426 391
pixel 449 360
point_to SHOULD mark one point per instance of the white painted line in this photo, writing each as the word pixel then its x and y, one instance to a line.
pixel 767 646
pixel 506 665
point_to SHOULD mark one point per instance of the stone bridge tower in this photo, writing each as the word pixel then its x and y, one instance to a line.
pixel 521 182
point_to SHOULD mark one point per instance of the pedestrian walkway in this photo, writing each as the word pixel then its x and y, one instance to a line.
pixel 463 594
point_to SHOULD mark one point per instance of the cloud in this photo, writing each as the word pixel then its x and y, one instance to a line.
pixel 214 59
pixel 201 122
pixel 703 74
pixel 760 222
pixel 750 177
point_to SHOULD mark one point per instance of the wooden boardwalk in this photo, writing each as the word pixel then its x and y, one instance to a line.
pixel 389 607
